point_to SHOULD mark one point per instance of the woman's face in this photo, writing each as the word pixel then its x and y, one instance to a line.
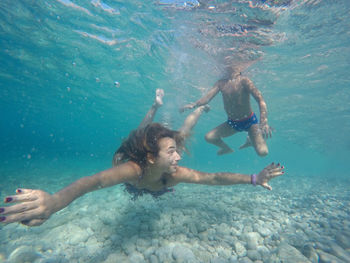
pixel 168 156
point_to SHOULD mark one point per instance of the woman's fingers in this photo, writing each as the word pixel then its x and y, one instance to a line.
pixel 22 197
pixel 23 191
pixel 271 171
pixel 267 186
pixel 23 216
pixel 276 171
pixel 274 166
pixel 18 208
pixel 271 166
pixel 25 210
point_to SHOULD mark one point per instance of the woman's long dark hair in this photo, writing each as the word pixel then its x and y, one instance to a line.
pixel 143 141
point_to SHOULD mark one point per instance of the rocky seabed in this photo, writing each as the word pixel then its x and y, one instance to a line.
pixel 194 224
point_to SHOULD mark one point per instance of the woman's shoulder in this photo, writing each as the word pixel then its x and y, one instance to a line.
pixel 131 169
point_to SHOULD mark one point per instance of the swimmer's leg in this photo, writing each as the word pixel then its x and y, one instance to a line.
pixel 191 120
pixel 247 143
pixel 215 137
pixel 257 140
pixel 158 102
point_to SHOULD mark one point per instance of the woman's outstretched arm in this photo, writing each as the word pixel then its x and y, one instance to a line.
pixel 185 175
pixel 33 207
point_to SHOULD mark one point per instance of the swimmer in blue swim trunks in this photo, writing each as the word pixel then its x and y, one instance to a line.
pixel 236 91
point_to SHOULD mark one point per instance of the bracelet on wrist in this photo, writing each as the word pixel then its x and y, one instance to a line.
pixel 253 179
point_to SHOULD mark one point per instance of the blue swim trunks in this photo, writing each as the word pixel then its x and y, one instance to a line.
pixel 243 124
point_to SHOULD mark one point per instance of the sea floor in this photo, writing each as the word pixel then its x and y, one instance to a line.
pixel 300 220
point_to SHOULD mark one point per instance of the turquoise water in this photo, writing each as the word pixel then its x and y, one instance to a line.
pixel 63 116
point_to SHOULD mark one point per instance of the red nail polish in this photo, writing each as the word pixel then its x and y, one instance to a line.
pixel 2 218
pixel 18 191
pixel 2 209
pixel 8 199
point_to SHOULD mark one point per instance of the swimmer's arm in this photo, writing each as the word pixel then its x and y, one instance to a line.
pixel 116 175
pixel 186 175
pixel 33 207
pixel 209 96
pixel 259 99
pixel 205 99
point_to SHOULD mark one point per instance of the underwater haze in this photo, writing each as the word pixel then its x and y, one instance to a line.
pixel 77 76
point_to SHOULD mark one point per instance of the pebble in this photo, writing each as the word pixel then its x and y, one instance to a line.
pixel 23 254
pixel 289 254
pixel 263 231
pixel 183 254
pixel 116 257
pixel 240 249
pixel 328 258
pixel 253 255
pixel 253 239
pixel 218 260
pixel 136 257
pixel 343 240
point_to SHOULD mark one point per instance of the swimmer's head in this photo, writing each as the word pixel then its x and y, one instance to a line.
pixel 232 72
pixel 237 68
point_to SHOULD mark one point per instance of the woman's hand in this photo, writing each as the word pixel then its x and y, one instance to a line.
pixel 269 172
pixel 33 207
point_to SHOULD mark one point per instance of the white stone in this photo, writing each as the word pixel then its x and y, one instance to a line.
pixel 240 249
pixel 183 254
pixel 23 254
pixel 253 239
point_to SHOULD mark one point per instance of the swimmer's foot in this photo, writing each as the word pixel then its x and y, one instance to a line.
pixel 247 144
pixel 225 151
pixel 159 97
